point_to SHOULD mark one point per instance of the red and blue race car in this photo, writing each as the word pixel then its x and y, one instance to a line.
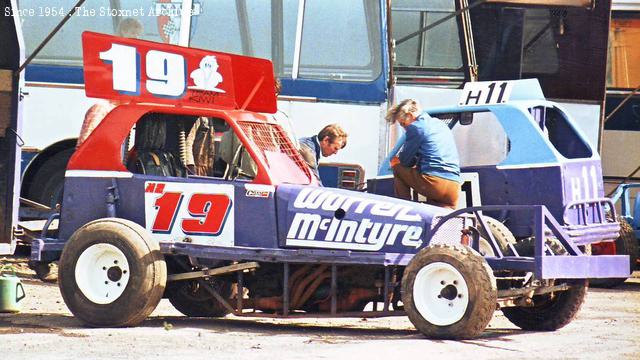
pixel 136 226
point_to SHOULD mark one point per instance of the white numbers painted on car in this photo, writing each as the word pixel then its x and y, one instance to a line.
pixel 123 60
pixel 485 93
pixel 585 186
pixel 166 72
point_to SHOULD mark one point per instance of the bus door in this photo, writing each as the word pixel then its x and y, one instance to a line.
pixel 10 59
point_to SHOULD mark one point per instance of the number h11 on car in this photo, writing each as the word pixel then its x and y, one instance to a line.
pixel 137 224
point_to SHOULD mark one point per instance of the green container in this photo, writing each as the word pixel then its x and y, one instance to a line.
pixel 11 290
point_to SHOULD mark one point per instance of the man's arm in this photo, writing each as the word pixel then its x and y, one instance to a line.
pixel 309 157
pixel 410 148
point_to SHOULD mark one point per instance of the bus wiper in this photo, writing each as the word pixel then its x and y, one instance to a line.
pixel 51 34
pixel 430 26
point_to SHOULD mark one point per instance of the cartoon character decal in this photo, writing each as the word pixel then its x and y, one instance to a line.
pixel 207 76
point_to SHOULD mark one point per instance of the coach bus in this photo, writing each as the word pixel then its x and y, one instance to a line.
pixel 339 61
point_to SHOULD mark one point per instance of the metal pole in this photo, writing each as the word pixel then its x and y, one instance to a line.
pixel 240 293
pixel 185 23
pixel 540 241
pixel 334 292
pixel 298 42
pixel 386 289
pixel 285 291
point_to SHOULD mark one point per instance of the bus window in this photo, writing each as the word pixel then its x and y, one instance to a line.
pixel 250 29
pixel 217 28
pixel 40 17
pixel 516 41
pixel 38 20
pixel 560 46
pixel 247 28
pixel 425 52
pixel 539 51
pixel 341 40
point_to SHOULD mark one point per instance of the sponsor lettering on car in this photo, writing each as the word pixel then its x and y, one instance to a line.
pixel 376 222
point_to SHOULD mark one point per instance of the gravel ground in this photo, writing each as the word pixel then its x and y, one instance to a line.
pixel 608 326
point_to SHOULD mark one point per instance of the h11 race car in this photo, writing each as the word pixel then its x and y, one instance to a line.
pixel 258 237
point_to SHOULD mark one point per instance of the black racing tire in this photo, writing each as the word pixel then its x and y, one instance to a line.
pixel 112 273
pixel 193 300
pixel 47 183
pixel 626 244
pixel 449 292
pixel 526 247
pixel 501 233
pixel 550 311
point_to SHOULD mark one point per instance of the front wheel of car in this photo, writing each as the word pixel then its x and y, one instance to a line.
pixel 449 292
pixel 112 273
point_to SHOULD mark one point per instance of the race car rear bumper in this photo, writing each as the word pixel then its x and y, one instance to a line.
pixel 545 265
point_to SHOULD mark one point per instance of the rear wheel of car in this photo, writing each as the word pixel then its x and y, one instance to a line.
pixel 112 273
pixel 191 297
pixel 47 182
pixel 550 311
pixel 626 244
pixel 449 292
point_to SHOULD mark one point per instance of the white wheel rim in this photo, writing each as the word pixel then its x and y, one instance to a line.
pixel 440 294
pixel 102 273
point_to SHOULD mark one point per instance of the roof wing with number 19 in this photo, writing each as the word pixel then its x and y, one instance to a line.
pixel 143 71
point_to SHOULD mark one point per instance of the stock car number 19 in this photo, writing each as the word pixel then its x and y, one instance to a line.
pixel 201 212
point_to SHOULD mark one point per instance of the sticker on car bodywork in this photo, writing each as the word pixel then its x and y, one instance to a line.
pixel 201 212
pixel 259 190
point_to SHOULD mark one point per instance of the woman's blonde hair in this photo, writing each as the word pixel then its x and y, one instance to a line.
pixel 406 106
